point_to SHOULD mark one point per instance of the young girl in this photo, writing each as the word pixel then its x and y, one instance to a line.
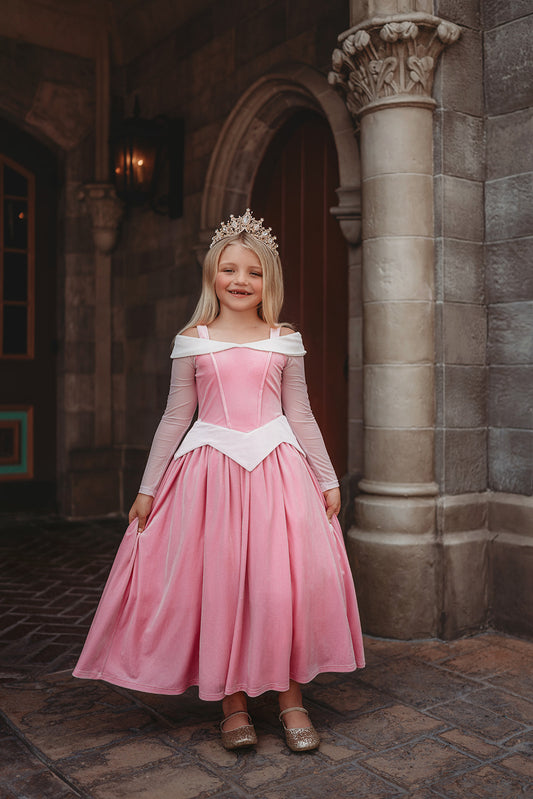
pixel 232 574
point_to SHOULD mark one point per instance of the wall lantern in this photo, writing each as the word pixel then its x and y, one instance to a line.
pixel 148 162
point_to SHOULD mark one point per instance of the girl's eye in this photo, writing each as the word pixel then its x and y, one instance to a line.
pixel 257 274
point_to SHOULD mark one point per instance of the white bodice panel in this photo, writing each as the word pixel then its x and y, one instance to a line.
pixel 290 345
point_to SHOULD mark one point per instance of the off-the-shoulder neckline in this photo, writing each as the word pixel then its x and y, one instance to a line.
pixel 235 343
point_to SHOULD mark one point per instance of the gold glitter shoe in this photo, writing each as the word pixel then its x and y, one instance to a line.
pixel 301 739
pixel 241 736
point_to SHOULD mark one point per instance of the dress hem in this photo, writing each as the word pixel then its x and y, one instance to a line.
pixel 251 692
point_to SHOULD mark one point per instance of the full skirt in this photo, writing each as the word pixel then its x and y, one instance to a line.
pixel 238 583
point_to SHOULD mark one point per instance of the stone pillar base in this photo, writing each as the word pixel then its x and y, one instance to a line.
pixel 465 550
pixel 443 567
pixel 511 562
pixel 393 554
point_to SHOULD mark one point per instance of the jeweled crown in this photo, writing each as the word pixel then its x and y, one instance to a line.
pixel 247 223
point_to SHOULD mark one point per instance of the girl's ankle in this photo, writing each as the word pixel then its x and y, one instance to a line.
pixel 235 703
pixel 291 698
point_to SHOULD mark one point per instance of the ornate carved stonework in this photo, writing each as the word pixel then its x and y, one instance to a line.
pixel 64 113
pixel 106 211
pixel 389 57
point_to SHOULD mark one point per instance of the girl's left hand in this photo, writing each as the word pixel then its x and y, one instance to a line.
pixel 333 501
pixel 140 510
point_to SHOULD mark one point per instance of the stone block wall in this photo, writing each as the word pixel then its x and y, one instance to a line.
pixel 509 247
pixel 152 292
pixel 508 76
pixel 461 462
pixel 484 341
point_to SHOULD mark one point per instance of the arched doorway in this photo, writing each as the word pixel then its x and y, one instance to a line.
pixel 293 190
pixel 28 337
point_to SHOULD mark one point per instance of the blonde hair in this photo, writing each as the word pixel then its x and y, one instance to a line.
pixel 208 307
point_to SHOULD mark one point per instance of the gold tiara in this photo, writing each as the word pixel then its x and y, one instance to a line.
pixel 246 223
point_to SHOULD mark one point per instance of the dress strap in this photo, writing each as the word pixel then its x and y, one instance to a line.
pixel 275 332
pixel 203 332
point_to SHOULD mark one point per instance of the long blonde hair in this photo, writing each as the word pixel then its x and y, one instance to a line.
pixel 208 307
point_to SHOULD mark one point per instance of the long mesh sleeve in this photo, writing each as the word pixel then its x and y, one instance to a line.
pixel 297 409
pixel 181 404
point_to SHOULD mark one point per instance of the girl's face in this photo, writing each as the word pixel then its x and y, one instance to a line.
pixel 239 280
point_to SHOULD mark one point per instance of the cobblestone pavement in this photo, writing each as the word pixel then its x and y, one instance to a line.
pixel 423 719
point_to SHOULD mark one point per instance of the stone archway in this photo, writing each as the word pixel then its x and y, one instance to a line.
pixel 257 116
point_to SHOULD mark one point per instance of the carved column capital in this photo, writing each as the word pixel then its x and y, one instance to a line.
pixel 106 212
pixel 390 59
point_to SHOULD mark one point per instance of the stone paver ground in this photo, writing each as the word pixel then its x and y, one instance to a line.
pixel 423 719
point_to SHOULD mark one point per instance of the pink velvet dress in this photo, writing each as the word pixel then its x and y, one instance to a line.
pixel 238 582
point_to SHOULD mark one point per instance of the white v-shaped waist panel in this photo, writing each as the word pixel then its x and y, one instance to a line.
pixel 248 449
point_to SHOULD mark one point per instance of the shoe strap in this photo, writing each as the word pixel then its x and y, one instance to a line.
pixel 232 715
pixel 289 709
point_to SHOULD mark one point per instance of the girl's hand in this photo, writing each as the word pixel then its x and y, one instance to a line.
pixel 141 510
pixel 333 501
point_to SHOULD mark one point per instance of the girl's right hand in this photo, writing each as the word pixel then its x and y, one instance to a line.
pixel 141 510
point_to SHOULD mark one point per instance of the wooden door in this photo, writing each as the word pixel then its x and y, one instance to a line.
pixel 27 323
pixel 294 190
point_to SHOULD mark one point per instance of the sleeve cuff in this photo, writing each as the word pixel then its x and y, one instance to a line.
pixel 330 484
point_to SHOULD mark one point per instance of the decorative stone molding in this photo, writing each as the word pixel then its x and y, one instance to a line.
pixel 64 113
pixel 390 57
pixel 348 213
pixel 106 212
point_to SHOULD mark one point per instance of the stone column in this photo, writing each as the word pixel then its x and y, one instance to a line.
pixel 385 69
pixel 106 212
pixel 95 474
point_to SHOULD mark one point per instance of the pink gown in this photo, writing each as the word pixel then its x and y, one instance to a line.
pixel 239 582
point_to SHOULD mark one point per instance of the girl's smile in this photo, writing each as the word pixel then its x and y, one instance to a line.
pixel 239 278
